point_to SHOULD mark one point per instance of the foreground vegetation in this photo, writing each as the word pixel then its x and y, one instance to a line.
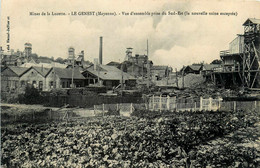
pixel 185 139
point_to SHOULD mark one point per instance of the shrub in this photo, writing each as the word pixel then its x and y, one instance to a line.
pixel 31 96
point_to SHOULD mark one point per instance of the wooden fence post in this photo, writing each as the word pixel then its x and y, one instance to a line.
pixel 160 103
pixel 103 109
pixel 153 102
pixel 219 103
pixel 168 102
pixel 195 106
pixel 176 104
pixel 50 114
pixel 210 103
pixel 201 104
pixel 235 105
pixel 131 108
pixel 94 109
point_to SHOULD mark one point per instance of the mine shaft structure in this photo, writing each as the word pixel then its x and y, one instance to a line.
pixel 250 65
pixel 240 67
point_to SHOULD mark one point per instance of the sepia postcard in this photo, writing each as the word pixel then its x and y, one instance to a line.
pixel 134 83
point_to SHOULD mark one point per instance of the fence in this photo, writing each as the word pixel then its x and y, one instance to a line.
pixel 124 109
pixel 160 103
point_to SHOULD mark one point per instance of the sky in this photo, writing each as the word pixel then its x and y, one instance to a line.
pixel 173 40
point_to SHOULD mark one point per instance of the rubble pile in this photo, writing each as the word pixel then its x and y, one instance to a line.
pixel 190 80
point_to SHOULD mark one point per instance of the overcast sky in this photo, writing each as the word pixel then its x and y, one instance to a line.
pixel 173 40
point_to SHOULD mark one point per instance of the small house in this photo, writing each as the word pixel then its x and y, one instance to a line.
pixel 108 76
pixel 62 78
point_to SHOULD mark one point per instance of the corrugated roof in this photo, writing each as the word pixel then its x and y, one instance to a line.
pixel 18 70
pixel 107 72
pixel 253 20
pixel 67 73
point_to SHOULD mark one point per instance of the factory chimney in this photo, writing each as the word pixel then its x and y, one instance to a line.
pixel 100 51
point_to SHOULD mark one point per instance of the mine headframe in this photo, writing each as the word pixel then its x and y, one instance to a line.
pixel 251 53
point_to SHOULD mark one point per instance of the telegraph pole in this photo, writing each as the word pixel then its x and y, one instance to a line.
pixel 72 84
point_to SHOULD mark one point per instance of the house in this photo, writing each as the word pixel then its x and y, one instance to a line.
pixel 207 69
pixel 134 69
pixel 45 60
pixel 62 78
pixel 159 72
pixel 10 78
pixel 34 76
pixel 9 60
pixel 195 69
pixel 108 76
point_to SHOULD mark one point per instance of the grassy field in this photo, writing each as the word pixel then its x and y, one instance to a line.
pixel 184 139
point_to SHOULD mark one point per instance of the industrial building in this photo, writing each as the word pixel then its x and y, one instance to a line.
pixel 240 66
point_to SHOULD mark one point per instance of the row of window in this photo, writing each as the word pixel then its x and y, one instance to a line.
pixel 38 84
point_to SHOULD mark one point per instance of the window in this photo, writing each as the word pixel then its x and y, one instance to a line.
pixel 63 85
pixel 40 85
pixel 51 84
pixel 54 84
pixel 34 84
pixel 22 83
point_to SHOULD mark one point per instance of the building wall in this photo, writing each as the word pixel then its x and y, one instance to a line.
pixel 136 70
pixel 236 46
pixel 33 78
pixel 158 72
pixel 9 80
pixel 52 81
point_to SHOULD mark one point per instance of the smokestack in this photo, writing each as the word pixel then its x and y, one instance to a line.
pixel 100 51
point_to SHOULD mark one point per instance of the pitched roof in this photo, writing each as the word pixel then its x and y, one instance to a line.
pixel 43 71
pixel 10 58
pixel 208 67
pixel 107 72
pixel 252 20
pixel 112 63
pixel 79 58
pixel 195 67
pixel 44 60
pixel 67 73
pixel 159 67
pixel 18 70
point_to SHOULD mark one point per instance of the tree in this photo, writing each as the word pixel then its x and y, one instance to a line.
pixel 216 61
pixel 60 60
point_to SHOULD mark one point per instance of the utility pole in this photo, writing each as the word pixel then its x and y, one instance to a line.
pixel 147 48
pixel 72 84
pixel 183 78
pixel 177 78
pixel 148 66
pixel 122 81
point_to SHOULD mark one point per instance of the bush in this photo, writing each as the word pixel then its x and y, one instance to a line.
pixel 31 96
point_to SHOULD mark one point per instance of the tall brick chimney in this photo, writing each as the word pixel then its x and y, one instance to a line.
pixel 100 51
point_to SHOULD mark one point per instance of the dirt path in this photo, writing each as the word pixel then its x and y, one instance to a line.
pixel 25 106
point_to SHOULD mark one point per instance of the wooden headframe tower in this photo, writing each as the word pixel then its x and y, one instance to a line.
pixel 251 53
